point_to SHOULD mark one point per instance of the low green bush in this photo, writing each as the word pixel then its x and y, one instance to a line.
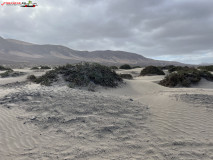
pixel 32 78
pixel 48 78
pixel 166 67
pixel 185 77
pixel 17 74
pixel 41 67
pixel 181 79
pixel 113 67
pixel 11 73
pixel 136 67
pixel 5 74
pixel 178 68
pixel 125 66
pixel 126 76
pixel 34 68
pixel 207 68
pixel 81 74
pixel 2 68
pixel 151 70
pixel 206 74
pixel 45 67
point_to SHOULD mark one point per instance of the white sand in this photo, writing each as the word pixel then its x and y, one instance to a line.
pixel 178 130
pixel 8 80
pixel 160 123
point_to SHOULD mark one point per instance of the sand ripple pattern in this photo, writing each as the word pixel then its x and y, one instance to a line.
pixel 86 125
pixel 15 136
pixel 198 100
pixel 179 130
pixel 77 124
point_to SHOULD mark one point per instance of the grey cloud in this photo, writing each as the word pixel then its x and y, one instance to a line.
pixel 152 28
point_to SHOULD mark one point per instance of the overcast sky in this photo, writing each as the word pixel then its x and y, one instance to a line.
pixel 179 30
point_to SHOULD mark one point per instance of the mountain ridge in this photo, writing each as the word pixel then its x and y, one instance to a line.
pixel 20 51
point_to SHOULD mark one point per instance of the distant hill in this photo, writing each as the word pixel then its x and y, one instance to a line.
pixel 15 51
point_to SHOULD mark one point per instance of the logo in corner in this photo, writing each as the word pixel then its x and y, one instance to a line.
pixel 29 4
pixel 21 4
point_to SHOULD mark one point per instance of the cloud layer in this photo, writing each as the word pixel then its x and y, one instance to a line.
pixel 177 30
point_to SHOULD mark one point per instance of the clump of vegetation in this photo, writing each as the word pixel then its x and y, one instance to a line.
pixel 206 74
pixel 151 70
pixel 2 68
pixel 166 67
pixel 207 68
pixel 11 73
pixel 185 77
pixel 180 79
pixel 178 68
pixel 126 76
pixel 125 66
pixel 32 78
pixel 34 68
pixel 136 67
pixel 41 67
pixel 47 79
pixel 45 67
pixel 5 74
pixel 17 74
pixel 81 74
pixel 113 67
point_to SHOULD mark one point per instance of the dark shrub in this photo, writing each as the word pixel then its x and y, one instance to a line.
pixel 32 78
pixel 45 67
pixel 5 74
pixel 113 67
pixel 185 77
pixel 207 75
pixel 170 80
pixel 2 68
pixel 181 79
pixel 126 76
pixel 125 66
pixel 136 67
pixel 177 68
pixel 64 69
pixel 166 67
pixel 48 78
pixel 151 70
pixel 41 67
pixel 17 74
pixel 34 68
pixel 82 74
pixel 208 68
pixel 11 73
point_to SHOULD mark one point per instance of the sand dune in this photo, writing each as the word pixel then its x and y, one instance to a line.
pixel 138 120
pixel 180 125
pixel 89 125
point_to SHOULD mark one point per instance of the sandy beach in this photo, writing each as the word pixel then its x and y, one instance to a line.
pixel 137 120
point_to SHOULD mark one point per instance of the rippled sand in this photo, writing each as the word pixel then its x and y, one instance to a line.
pixel 139 120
